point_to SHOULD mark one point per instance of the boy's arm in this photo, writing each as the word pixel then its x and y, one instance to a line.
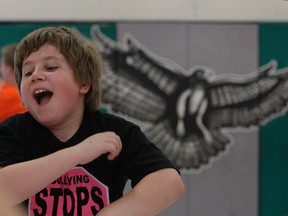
pixel 25 179
pixel 151 195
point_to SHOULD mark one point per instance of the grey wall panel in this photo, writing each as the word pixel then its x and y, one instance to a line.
pixel 230 185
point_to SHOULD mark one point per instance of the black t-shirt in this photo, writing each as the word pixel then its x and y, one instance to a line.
pixel 85 189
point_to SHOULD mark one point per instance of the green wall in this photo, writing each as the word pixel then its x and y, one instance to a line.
pixel 273 44
pixel 14 32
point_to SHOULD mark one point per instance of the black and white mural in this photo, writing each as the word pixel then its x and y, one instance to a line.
pixel 187 113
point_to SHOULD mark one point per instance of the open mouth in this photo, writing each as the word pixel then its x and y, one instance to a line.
pixel 42 96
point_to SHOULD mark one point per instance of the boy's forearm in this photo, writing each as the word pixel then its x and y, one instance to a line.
pixel 27 178
pixel 151 195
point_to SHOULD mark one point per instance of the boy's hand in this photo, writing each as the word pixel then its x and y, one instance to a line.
pixel 98 144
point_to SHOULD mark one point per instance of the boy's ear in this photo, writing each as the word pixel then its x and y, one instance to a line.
pixel 84 88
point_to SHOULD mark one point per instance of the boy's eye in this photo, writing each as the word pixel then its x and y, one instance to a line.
pixel 51 68
pixel 27 74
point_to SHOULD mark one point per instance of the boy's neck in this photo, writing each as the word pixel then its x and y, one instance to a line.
pixel 67 130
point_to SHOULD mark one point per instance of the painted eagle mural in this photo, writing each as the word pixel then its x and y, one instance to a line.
pixel 187 114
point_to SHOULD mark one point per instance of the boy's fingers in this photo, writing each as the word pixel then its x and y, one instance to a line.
pixel 115 149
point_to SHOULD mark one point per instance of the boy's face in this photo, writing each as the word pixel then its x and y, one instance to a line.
pixel 49 90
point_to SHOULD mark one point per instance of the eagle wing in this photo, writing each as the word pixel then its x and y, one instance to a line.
pixel 135 82
pixel 249 101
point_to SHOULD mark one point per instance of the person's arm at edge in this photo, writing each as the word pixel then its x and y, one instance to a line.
pixel 151 195
pixel 25 179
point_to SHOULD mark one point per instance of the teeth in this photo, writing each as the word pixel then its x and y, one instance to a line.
pixel 39 91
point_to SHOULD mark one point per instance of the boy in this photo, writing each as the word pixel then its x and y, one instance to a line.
pixel 63 155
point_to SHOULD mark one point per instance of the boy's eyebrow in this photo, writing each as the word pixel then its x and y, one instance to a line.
pixel 25 63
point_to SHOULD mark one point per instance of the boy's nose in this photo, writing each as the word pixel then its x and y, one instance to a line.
pixel 38 75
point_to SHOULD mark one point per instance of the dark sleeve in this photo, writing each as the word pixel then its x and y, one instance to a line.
pixel 12 148
pixel 139 156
